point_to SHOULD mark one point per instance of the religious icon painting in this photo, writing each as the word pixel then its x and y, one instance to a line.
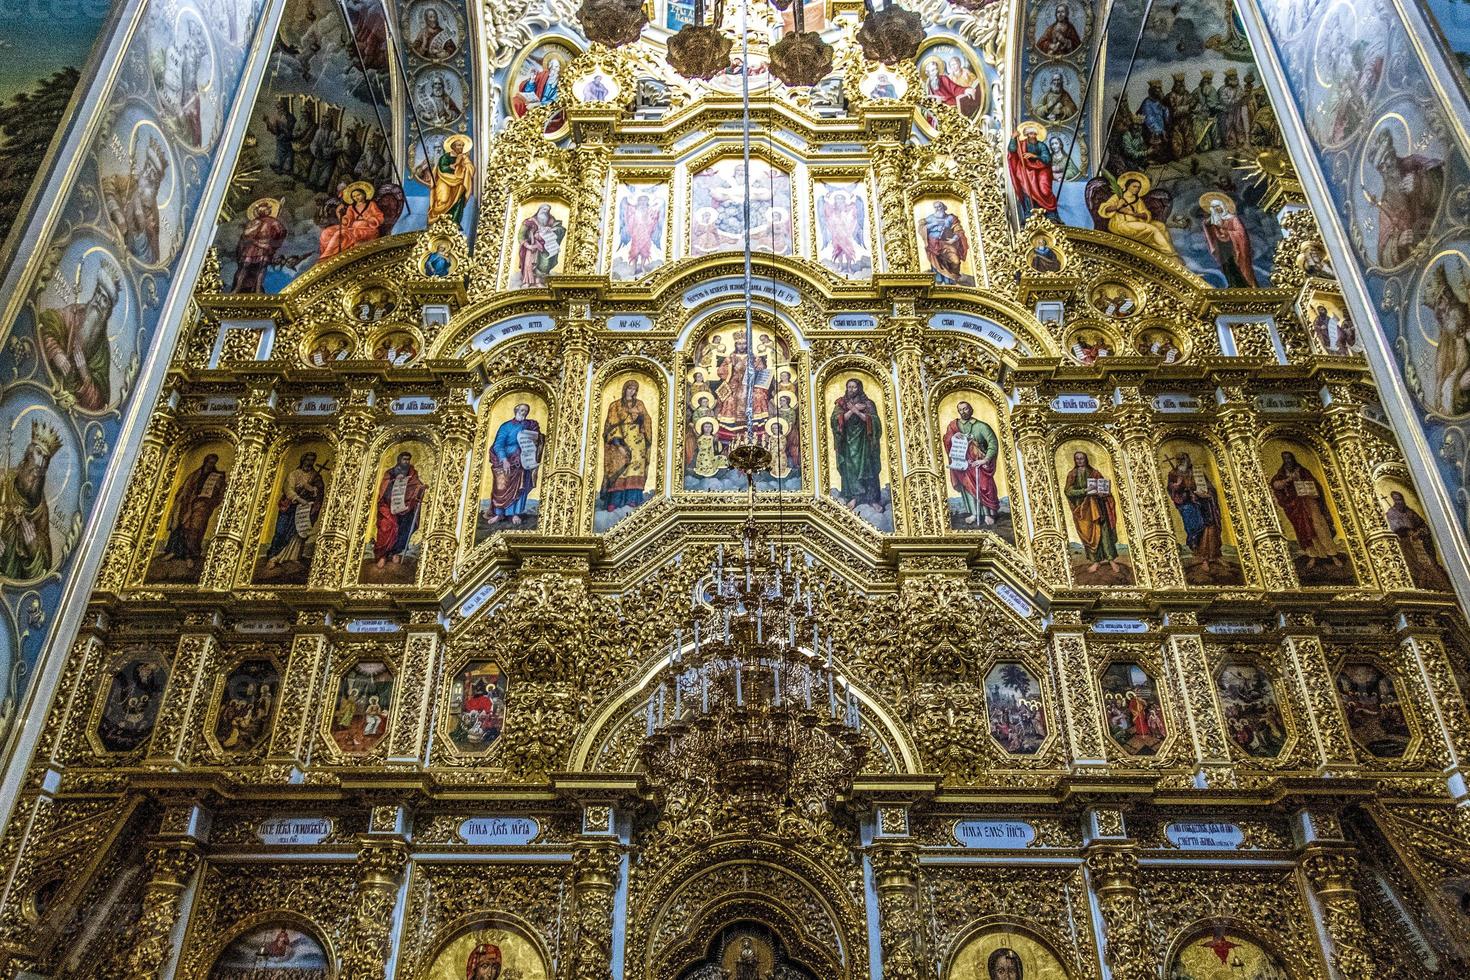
pixel 844 243
pixel 87 326
pixel 1401 180
pixel 857 460
pixel 979 486
pixel 191 511
pixel 1056 92
pixel 639 241
pixel 181 53
pixel 1309 514
pixel 1349 52
pixel 1088 345
pixel 1373 705
pixel 1203 528
pixel 247 704
pixel 444 164
pixel 1016 707
pixel 40 486
pixel 288 534
pixel 1437 349
pixel 1134 710
pixel 880 84
pixel 1006 953
pixel 630 438
pixel 273 951
pixel 536 81
pixel 141 195
pixel 755 69
pixel 439 97
pixel 717 208
pixel 1160 343
pixel 536 243
pixel 596 87
pixel 476 708
pixel 439 263
pixel 1115 300
pixel 1329 325
pixel 1058 29
pixel 1098 543
pixel 394 535
pixel 944 241
pixel 371 303
pixel 488 952
pixel 951 73
pixel 130 705
pixel 359 720
pixel 400 348
pixel 328 347
pixel 1226 955
pixel 1405 517
pixel 1254 720
pixel 510 482
pixel 1042 256
pixel 715 409
pixel 434 30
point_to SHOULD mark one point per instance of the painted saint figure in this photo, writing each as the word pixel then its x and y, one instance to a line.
pixel 1228 241
pixel 972 448
pixel 260 240
pixel 538 89
pixel 515 458
pixel 1409 200
pixel 25 516
pixel 400 494
pixel 1447 296
pixel 947 246
pixel 297 511
pixel 1417 543
pixel 198 497
pixel 483 963
pixel 627 438
pixel 857 434
pixel 1336 335
pixel 1298 493
pixel 539 248
pixel 132 200
pixel 1005 963
pixel 1056 103
pixel 433 40
pixel 76 346
pixel 451 179
pixel 1198 504
pixel 1060 37
pixel 1128 215
pixel 359 219
pixel 1094 512
pixel 1029 160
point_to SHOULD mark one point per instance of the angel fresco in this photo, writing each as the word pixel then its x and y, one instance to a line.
pixel 842 229
pixel 1129 208
pixel 642 215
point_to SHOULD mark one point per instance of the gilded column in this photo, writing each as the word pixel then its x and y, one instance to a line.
pixel 458 433
pixel 330 561
pixel 254 429
pixel 1329 871
pixel 1421 639
pixel 368 948
pixel 592 158
pixel 923 484
pixel 1048 535
pixel 1140 461
pixel 172 858
pixel 595 868
pixel 1072 674
pixel 147 475
pixel 890 162
pixel 1385 558
pixel 418 680
pixel 1112 869
pixel 1273 556
pixel 1313 676
pixel 64 736
pixel 291 736
pixel 562 492
pixel 896 880
pixel 1192 668
pixel 181 715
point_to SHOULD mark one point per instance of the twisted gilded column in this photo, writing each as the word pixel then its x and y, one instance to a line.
pixel 890 165
pixel 1329 871
pixel 1273 556
pixel 1140 454
pixel 457 430
pixel 896 880
pixel 1385 559
pixel 1030 424
pixel 1112 869
pixel 329 564
pixel 592 157
pixel 368 947
pixel 147 475
pixel 561 494
pixel 171 866
pixel 923 484
pixel 594 892
pixel 254 428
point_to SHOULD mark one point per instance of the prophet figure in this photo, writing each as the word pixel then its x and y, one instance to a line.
pixel 1298 493
pixel 76 346
pixel 842 225
pixel 1030 162
pixel 359 219
pixel 1447 296
pixel 198 497
pixel 1227 240
pixel 260 240
pixel 1060 37
pixel 179 89
pixel 627 437
pixel 484 963
pixel 437 107
pixel 132 201
pixel 1198 504
pixel 25 516
pixel 1417 543
pixel 946 246
pixel 1056 103
pixel 1128 215
pixel 1412 186
pixel 539 250
pixel 640 227
pixel 972 448
pixel 857 434
pixel 940 85
pixel 1336 335
pixel 297 511
pixel 451 179
pixel 1005 963
pixel 400 493
pixel 433 40
pixel 1094 512
pixel 515 457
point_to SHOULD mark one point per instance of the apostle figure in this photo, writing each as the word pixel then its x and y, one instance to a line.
pixel 75 344
pixel 1226 237
pixel 400 493
pixel 857 434
pixel 198 497
pixel 540 88
pixel 946 246
pixel 1417 543
pixel 627 437
pixel 1056 103
pixel 940 85
pixel 132 201
pixel 25 517
pixel 1060 37
pixel 1029 160
pixel 1005 963
pixel 1336 335
pixel 1128 216
pixel 972 448
pixel 483 963
pixel 1195 499
pixel 1094 512
pixel 640 227
pixel 1298 493
pixel 451 179
pixel 260 240
pixel 433 40
pixel 1412 186
pixel 359 219
pixel 539 248
pixel 297 511
pixel 747 962
pixel 1042 257
pixel 515 456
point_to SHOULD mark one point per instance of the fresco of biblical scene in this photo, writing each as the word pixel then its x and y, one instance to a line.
pixel 843 242
pixel 364 707
pixel 275 951
pixel 536 81
pixel 1223 955
pixel 1208 547
pixel 1005 954
pixel 1405 517
pixel 1135 713
pixel 944 242
pixel 1374 709
pixel 1309 515
pixel 1160 343
pixel 192 509
pixel 639 241
pixel 510 495
pixel 288 535
pixel 1253 720
pixel 979 492
pixel 630 443
pixel 134 695
pixel 857 474
pixel 394 536
pixel 952 74
pixel 1017 710
pixel 1330 326
pixel 732 80
pixel 140 192
pixel 1088 345
pixel 717 203
pixel 40 487
pixel 247 704
pixel 535 249
pixel 87 328
pixel 476 709
pixel 399 348
pixel 1401 184
pixel 1098 542
pixel 488 953
pixel 716 396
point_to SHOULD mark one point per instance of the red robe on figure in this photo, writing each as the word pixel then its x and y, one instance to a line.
pixel 1030 167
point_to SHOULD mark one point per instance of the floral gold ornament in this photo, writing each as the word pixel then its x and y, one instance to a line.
pixel 613 23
